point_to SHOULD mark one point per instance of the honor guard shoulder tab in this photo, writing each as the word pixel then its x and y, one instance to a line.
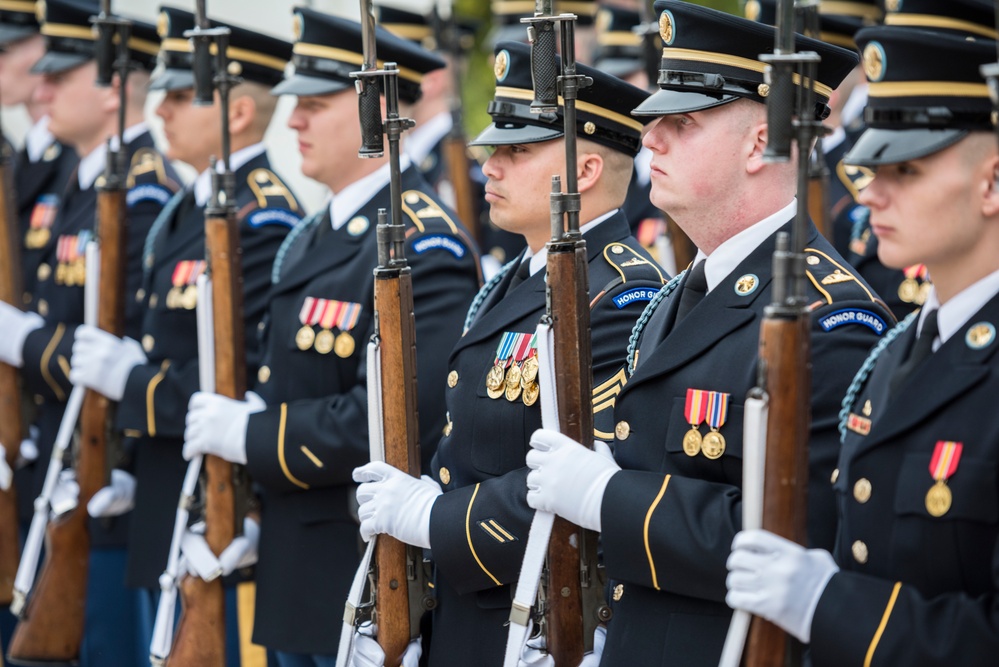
pixel 629 263
pixel 435 228
pixel 148 179
pixel 270 201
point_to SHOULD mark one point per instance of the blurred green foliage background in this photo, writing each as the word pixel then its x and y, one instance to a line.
pixel 478 81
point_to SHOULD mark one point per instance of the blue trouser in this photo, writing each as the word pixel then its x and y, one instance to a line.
pixel 304 660
pixel 111 629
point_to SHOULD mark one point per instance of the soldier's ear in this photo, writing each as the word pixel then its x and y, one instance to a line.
pixel 755 144
pixel 990 202
pixel 590 167
pixel 242 111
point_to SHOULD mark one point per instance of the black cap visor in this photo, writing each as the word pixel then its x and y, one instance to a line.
pixel 300 84
pixel 14 33
pixel 172 79
pixel 665 102
pixel 55 62
pixel 504 133
pixel 880 146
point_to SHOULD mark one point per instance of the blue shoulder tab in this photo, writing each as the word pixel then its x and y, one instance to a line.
pixel 263 217
pixel 439 242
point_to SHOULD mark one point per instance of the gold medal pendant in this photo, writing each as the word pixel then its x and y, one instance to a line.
pixel 530 371
pixel 513 375
pixel 938 499
pixel 324 342
pixel 494 379
pixel 80 271
pixel 531 393
pixel 513 391
pixel 190 299
pixel 172 297
pixel 495 393
pixel 923 294
pixel 305 337
pixel 713 445
pixel 908 290
pixel 692 442
pixel 344 345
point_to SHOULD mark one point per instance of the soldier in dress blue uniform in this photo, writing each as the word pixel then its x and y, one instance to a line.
pixel 671 503
pixel 153 388
pixel 474 515
pixel 84 117
pixel 43 165
pixel 914 580
pixel 301 447
pixel 905 289
pixel 434 122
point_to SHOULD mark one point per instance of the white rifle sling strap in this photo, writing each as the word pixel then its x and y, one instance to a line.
pixel 159 647
pixel 376 444
pixel 541 525
pixel 754 455
pixel 28 567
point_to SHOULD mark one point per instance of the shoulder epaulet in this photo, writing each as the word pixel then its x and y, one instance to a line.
pixel 148 179
pixel 420 207
pixel 630 263
pixel 270 191
pixel 854 178
pixel 834 279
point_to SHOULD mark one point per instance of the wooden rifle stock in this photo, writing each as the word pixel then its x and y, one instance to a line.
pixel 784 348
pixel 684 249
pixel 394 560
pixel 200 637
pixel 456 159
pixel 51 629
pixel 11 421
pixel 565 610
pixel 818 196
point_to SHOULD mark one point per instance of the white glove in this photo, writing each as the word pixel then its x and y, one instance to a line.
pixel 777 579
pixel 15 325
pixel 65 493
pixel 568 479
pixel 116 498
pixel 535 654
pixel 217 425
pixel 102 361
pixel 199 561
pixel 6 474
pixel 394 503
pixel 367 652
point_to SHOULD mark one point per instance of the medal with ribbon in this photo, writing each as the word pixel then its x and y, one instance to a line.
pixel 341 315
pixel 40 226
pixel 946 456
pixel 694 411
pixel 70 254
pixel 308 316
pixel 713 444
pixel 529 373
pixel 495 379
pixel 515 373
pixel 184 294
pixel 916 287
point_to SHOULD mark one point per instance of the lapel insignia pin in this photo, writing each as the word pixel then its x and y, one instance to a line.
pixel 980 335
pixel 747 284
pixel 357 226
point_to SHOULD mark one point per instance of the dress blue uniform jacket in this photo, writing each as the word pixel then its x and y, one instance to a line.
pixel 668 518
pixel 479 526
pixel 302 450
pixel 153 410
pixel 915 589
pixel 47 351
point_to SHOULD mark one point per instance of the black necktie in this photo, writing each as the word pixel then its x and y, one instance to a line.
pixel 522 274
pixel 921 349
pixel 694 289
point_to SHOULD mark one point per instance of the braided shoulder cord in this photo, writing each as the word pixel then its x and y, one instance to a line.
pixel 298 230
pixel 485 291
pixel 865 370
pixel 646 315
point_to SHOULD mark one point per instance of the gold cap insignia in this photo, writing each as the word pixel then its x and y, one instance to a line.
pixel 163 24
pixel 763 90
pixel 296 26
pixel 893 5
pixel 747 284
pixel 502 65
pixel 666 29
pixel 980 335
pixel 357 226
pixel 589 127
pixel 874 61
pixel 603 21
pixel 40 11
pixel 752 10
pixel 235 68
